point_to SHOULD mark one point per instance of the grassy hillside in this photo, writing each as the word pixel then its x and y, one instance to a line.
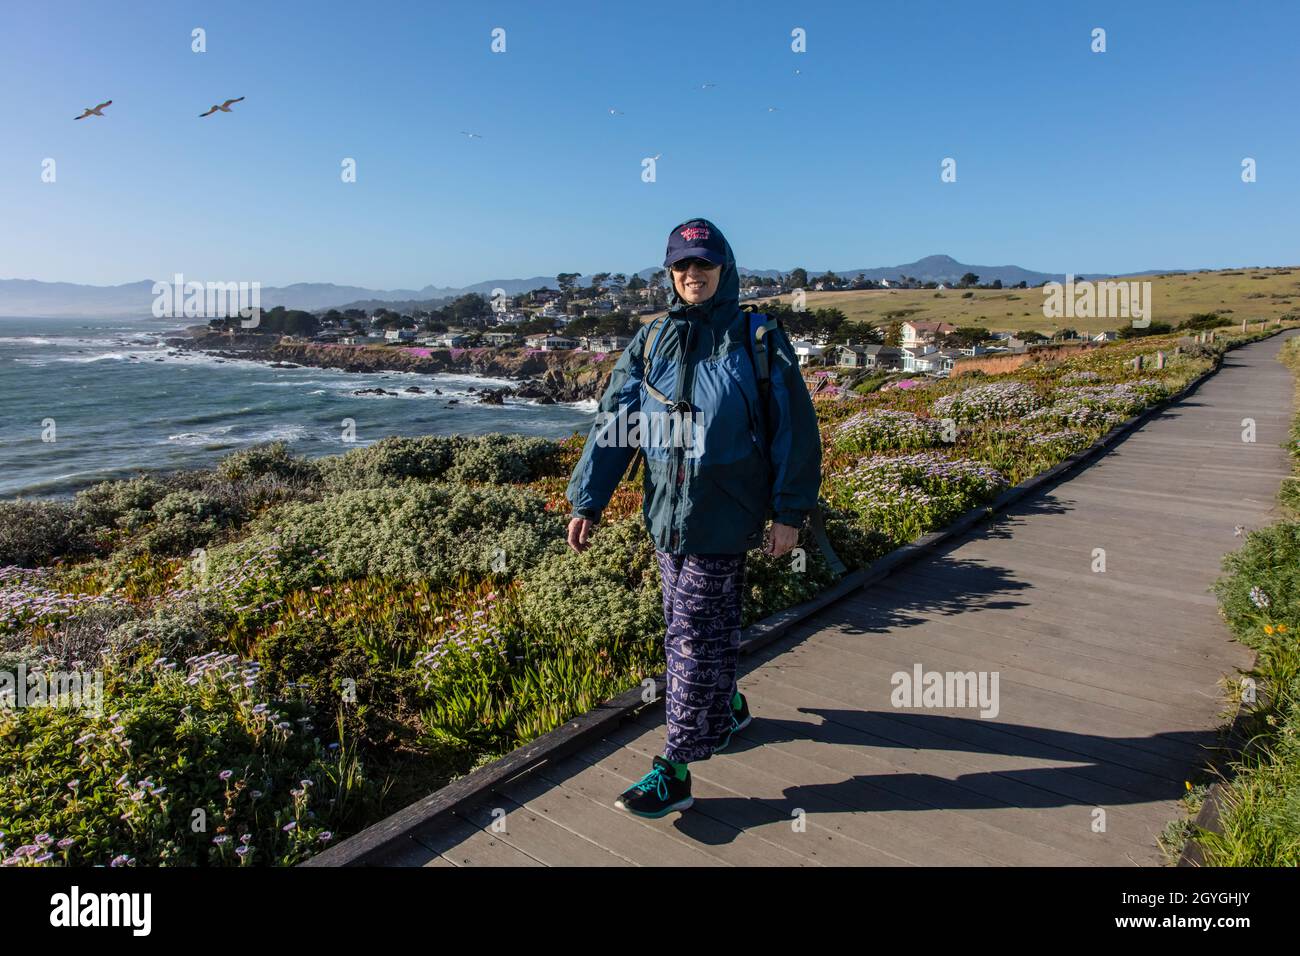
pixel 1239 294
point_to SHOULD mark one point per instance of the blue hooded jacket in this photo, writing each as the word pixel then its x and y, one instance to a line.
pixel 721 468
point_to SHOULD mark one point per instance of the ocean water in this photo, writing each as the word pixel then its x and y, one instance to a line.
pixel 117 401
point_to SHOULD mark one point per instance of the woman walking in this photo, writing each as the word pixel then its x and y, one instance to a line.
pixel 724 449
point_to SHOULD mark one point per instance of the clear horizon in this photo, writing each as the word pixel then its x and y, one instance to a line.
pixel 1067 160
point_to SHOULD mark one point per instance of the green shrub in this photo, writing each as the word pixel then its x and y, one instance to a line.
pixel 409 531
pixel 325 669
pixel 608 596
pixel 391 460
pixel 184 520
pixel 34 533
pixel 273 459
pixel 143 783
pixel 1262 581
pixel 128 504
pixel 504 459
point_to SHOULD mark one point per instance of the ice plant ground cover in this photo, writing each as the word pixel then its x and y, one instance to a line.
pixel 293 649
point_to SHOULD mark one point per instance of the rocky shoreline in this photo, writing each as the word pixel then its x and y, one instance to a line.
pixel 543 377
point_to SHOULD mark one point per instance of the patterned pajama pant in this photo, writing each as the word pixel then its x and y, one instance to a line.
pixel 702 597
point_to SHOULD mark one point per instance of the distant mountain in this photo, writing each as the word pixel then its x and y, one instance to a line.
pixel 932 269
pixel 28 297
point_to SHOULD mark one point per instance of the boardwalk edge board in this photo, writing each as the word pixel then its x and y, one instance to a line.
pixel 383 839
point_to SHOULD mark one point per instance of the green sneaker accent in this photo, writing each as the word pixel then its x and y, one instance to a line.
pixel 735 701
pixel 678 768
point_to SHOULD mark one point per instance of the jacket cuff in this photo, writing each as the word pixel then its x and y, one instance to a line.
pixel 794 519
pixel 592 516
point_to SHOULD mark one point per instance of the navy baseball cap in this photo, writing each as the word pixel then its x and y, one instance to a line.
pixel 697 238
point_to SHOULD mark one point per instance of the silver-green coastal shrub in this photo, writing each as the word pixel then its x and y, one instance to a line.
pixel 408 530
pixel 607 596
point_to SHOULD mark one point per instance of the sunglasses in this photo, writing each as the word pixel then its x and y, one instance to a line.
pixel 682 265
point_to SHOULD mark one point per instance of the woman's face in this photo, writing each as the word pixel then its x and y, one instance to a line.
pixel 697 284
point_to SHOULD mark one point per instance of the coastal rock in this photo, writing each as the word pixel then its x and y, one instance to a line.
pixel 372 391
pixel 560 376
pixel 415 389
pixel 493 396
pixel 530 389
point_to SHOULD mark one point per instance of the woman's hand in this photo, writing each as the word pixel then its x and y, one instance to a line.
pixel 580 533
pixel 784 537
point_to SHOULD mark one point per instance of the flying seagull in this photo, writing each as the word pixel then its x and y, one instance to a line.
pixel 95 111
pixel 224 107
pixel 471 135
pixel 707 86
pixel 773 109
pixel 614 112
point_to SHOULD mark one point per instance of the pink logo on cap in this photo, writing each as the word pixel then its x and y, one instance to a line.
pixel 694 233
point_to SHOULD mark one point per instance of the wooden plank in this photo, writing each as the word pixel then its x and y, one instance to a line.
pixel 915 753
pixel 1074 729
pixel 914 789
pixel 538 836
pixel 463 844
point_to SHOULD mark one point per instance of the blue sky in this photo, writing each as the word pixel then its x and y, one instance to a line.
pixel 1067 160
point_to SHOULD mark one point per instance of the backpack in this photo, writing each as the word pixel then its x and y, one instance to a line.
pixel 760 327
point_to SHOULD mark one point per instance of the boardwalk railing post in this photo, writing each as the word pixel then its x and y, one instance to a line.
pixel 1160 360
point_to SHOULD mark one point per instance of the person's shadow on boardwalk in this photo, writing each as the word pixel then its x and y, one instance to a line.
pixel 1089 770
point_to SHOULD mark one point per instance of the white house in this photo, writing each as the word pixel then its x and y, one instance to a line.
pixel 500 338
pixel 914 357
pixel 810 353
pixel 550 343
pixel 400 335
pixel 606 343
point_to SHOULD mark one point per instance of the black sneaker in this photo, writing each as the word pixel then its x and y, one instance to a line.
pixel 740 719
pixel 658 793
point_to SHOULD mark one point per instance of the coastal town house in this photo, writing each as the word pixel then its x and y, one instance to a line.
pixel 810 353
pixel 870 357
pixel 551 343
pixel 922 333
pixel 400 335
pixel 501 339
pixel 606 343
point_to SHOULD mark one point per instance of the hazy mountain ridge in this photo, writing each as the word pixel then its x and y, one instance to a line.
pixel 33 298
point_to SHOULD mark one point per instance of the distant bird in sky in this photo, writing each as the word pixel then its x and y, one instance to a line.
pixel 707 86
pixel 614 112
pixel 797 71
pixel 470 135
pixel 773 109
pixel 224 107
pixel 94 111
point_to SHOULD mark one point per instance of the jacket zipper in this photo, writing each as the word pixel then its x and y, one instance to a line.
pixel 675 496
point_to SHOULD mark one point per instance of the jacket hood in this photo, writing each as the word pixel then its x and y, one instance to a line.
pixel 725 304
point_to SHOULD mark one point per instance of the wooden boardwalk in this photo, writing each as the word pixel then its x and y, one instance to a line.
pixel 1108 685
